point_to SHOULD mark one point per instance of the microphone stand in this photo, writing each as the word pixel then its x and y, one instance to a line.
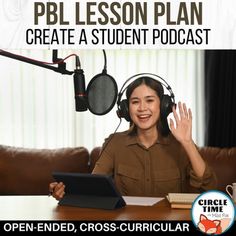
pixel 60 69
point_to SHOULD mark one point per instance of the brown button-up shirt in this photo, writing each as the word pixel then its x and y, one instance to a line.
pixel 155 171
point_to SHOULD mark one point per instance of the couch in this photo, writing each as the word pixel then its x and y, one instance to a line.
pixel 29 171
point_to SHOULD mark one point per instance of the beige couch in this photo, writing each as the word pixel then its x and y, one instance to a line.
pixel 29 171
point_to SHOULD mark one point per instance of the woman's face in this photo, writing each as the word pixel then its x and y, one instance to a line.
pixel 144 107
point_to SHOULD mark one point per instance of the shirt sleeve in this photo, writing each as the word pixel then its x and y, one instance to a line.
pixel 206 182
pixel 105 163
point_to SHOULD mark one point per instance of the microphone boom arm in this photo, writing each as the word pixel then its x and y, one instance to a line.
pixel 60 69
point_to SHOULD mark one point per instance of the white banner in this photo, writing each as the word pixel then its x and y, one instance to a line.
pixel 90 24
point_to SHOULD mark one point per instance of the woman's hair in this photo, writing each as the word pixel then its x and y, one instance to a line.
pixel 162 125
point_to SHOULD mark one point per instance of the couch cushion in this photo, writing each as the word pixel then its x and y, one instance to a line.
pixel 29 171
pixel 223 162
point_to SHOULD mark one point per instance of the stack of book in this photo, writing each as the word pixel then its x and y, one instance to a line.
pixel 181 200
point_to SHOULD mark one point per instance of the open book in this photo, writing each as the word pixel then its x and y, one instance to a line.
pixel 181 200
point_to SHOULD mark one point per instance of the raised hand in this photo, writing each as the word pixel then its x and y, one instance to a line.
pixel 182 129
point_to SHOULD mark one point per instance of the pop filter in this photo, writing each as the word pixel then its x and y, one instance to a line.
pixel 101 92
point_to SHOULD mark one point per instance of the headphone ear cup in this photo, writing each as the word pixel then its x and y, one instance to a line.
pixel 166 106
pixel 123 110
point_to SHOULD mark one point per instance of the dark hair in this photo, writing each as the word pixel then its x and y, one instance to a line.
pixel 162 125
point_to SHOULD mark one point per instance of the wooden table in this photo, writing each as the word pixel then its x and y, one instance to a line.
pixel 47 208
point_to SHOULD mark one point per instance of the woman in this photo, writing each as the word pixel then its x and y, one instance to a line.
pixel 146 160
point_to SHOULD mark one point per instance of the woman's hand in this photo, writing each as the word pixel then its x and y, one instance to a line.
pixel 57 190
pixel 182 131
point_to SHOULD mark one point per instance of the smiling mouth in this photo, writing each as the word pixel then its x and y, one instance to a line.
pixel 143 117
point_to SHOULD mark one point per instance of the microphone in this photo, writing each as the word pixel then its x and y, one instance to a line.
pixel 101 93
pixel 79 87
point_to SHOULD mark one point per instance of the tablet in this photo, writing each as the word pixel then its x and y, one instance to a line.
pixel 89 190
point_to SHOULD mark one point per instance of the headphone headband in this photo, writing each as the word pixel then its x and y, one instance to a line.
pixel 151 75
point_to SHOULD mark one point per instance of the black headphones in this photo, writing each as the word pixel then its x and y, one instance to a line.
pixel 167 101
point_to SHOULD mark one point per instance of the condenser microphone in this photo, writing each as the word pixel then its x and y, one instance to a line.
pixel 80 93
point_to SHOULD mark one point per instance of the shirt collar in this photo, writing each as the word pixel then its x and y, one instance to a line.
pixel 132 139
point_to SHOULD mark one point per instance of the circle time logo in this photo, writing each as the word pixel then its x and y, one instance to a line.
pixel 213 212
